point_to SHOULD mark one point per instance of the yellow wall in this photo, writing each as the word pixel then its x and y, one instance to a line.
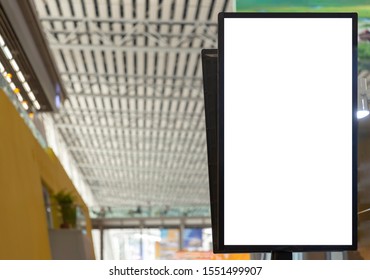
pixel 23 165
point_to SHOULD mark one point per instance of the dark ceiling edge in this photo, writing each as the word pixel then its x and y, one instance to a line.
pixel 22 16
pixel 29 12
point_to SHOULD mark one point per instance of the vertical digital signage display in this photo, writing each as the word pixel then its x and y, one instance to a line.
pixel 287 131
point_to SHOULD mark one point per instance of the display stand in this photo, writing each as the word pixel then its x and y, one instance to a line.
pixel 281 255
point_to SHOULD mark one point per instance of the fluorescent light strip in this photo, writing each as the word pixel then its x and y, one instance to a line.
pixel 25 105
pixel 20 98
pixel 21 77
pixel 37 105
pixel 26 87
pixel 31 96
pixel 14 65
pixel 7 53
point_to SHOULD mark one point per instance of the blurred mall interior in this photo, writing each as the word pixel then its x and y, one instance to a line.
pixel 103 149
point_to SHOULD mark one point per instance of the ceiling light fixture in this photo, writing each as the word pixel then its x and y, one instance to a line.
pixel 21 78
pixel 37 105
pixel 14 65
pixel 26 87
pixel 20 98
pixel 7 53
pixel 12 86
pixel 31 96
pixel 25 105
pixel 2 43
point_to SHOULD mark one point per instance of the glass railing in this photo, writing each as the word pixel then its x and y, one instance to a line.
pixel 4 85
pixel 150 212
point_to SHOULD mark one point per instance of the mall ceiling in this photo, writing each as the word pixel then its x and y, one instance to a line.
pixel 134 117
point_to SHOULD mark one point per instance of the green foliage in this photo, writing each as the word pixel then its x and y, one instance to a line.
pixel 63 197
pixel 67 208
pixel 364 51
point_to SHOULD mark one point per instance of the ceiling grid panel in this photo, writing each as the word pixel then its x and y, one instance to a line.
pixel 135 116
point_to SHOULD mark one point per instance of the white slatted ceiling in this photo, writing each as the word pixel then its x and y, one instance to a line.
pixel 143 149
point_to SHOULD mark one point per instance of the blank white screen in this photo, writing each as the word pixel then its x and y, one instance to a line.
pixel 287 131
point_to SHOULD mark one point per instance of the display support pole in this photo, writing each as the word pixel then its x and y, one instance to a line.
pixel 281 255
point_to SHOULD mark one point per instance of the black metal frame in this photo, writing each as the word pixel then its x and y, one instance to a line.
pixel 221 247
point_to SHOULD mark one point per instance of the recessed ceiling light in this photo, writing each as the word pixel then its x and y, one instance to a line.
pixel 31 96
pixel 21 77
pixel 7 53
pixel 37 105
pixel 25 105
pixel 20 98
pixel 26 87
pixel 14 65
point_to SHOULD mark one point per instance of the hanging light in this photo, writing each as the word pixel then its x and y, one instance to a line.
pixel 363 105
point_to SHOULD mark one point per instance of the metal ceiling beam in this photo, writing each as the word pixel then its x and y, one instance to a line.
pixel 188 85
pixel 92 47
pixel 111 96
pixel 88 111
pixel 98 126
pixel 162 172
pixel 150 159
pixel 138 138
pixel 128 76
pixel 133 35
pixel 135 152
pixel 94 112
pixel 162 169
pixel 152 222
pixel 129 21
pixel 148 140
pixel 159 182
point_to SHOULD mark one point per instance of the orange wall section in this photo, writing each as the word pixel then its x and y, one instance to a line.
pixel 24 164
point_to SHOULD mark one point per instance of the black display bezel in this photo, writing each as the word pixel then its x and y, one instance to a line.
pixel 222 248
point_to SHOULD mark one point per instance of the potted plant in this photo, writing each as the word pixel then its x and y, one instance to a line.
pixel 67 208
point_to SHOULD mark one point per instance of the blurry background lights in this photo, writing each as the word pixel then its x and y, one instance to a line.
pixel 20 98
pixel 25 105
pixel 37 105
pixel 8 77
pixel 363 105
